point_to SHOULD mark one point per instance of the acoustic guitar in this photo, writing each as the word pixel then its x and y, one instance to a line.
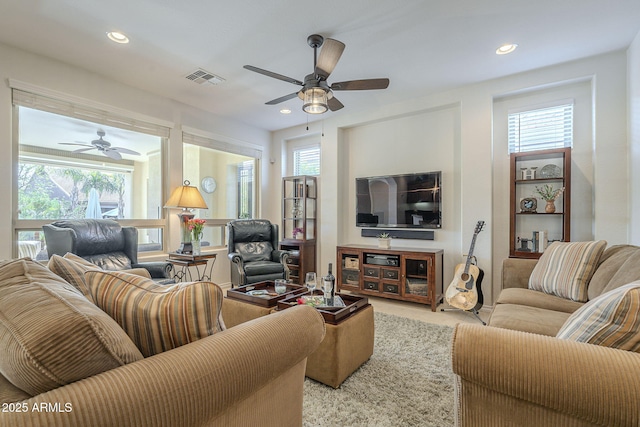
pixel 464 291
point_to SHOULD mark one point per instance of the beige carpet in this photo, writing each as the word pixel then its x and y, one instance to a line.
pixel 407 382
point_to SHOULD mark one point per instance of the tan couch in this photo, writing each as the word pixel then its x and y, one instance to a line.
pixel 251 374
pixel 514 372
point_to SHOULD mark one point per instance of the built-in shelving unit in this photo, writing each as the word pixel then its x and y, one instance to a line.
pixel 299 225
pixel 531 226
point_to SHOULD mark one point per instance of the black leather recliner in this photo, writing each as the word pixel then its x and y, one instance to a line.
pixel 253 251
pixel 102 242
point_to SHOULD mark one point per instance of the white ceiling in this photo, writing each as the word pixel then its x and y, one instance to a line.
pixel 422 46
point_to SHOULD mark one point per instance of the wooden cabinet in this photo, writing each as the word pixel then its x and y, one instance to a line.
pixel 299 207
pixel 302 258
pixel 531 225
pixel 402 274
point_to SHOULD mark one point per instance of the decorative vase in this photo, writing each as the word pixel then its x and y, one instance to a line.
pixel 384 243
pixel 196 247
pixel 550 207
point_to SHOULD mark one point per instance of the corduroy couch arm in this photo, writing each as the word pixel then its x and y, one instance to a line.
pixel 516 272
pixel 252 373
pixel 509 377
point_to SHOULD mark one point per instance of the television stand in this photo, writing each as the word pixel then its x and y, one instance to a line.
pixel 406 274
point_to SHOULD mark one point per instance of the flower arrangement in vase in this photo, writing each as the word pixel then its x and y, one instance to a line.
pixel 547 193
pixel 298 233
pixel 196 226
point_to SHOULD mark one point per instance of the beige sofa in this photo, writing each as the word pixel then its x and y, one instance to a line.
pixel 251 374
pixel 514 372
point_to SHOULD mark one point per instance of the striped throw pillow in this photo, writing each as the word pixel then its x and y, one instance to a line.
pixel 71 268
pixel 611 320
pixel 157 318
pixel 565 268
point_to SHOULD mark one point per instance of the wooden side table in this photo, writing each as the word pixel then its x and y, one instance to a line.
pixel 184 261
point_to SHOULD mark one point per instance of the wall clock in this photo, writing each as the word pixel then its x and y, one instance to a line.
pixel 208 184
pixel 528 205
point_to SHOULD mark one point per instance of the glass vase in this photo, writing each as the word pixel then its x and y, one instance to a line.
pixel 196 247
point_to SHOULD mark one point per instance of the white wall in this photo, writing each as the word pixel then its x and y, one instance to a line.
pixel 458 129
pixel 54 76
pixel 633 79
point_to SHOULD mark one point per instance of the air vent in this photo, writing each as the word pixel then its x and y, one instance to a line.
pixel 201 76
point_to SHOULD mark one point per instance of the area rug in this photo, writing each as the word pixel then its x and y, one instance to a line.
pixel 407 381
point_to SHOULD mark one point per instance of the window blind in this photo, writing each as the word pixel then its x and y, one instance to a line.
pixel 306 161
pixel 91 114
pixel 541 129
pixel 227 147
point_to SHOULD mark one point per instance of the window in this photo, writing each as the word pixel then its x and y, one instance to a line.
pixel 76 162
pixel 306 161
pixel 233 170
pixel 541 129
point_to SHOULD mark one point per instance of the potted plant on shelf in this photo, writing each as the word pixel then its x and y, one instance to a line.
pixel 549 195
pixel 298 233
pixel 384 240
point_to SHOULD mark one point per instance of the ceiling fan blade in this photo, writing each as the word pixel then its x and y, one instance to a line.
pixel 282 99
pixel 334 104
pixel 274 75
pixel 329 56
pixel 82 150
pixel 75 143
pixel 112 153
pixel 124 150
pixel 366 84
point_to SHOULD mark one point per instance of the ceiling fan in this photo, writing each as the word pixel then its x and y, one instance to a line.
pixel 316 93
pixel 103 146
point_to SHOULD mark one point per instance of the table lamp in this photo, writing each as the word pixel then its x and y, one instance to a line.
pixel 186 197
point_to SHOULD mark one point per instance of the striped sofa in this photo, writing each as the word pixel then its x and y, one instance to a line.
pixel 536 363
pixel 65 362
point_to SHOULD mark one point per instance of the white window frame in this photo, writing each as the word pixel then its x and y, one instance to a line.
pixel 25 95
pixel 199 138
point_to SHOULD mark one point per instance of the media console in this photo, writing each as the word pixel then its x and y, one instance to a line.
pixel 406 274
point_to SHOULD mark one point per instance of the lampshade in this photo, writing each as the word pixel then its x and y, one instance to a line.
pixel 315 101
pixel 186 197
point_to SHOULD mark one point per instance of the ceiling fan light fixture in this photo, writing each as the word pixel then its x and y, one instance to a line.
pixel 315 101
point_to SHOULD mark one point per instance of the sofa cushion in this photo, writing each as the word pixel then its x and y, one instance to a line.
pixel 532 298
pixel 263 267
pixel 565 268
pixel 527 319
pixel 619 265
pixel 610 320
pixel 51 335
pixel 157 318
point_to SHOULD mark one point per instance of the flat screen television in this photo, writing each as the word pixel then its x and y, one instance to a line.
pixel 404 201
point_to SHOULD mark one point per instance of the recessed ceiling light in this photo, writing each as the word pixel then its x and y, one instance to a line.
pixel 285 110
pixel 506 48
pixel 117 37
